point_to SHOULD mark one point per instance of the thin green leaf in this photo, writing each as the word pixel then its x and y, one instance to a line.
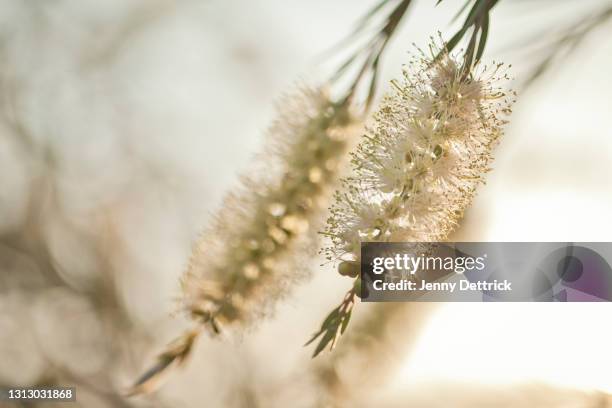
pixel 340 71
pixel 450 45
pixel 476 18
pixel 360 26
pixel 373 83
pixel 314 337
pixel 455 40
pixel 395 17
pixel 150 378
pixel 331 317
pixel 493 4
pixel 329 336
pixel 483 37
pixel 368 15
pixel 329 320
pixel 345 322
pixel 461 10
pixel 469 51
pixel 214 326
pixel 474 12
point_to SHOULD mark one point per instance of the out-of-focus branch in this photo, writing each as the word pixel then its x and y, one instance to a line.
pixel 367 357
pixel 567 41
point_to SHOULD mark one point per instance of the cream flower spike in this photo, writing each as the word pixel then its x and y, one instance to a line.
pixel 250 255
pixel 246 259
pixel 417 167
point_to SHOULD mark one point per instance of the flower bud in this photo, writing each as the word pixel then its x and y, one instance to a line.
pixel 349 268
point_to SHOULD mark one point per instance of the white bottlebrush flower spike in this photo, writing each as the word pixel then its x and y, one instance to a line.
pixel 419 164
pixel 247 258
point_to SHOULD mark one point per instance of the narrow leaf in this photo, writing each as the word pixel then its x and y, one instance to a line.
pixel 329 336
pixel 346 320
pixel 314 337
pixel 461 10
pixel 483 37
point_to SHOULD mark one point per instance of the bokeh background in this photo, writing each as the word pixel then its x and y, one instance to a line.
pixel 123 124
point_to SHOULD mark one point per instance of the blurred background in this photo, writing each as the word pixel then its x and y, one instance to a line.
pixel 123 124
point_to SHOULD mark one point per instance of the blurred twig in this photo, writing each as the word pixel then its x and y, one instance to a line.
pixel 566 42
pixel 370 351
